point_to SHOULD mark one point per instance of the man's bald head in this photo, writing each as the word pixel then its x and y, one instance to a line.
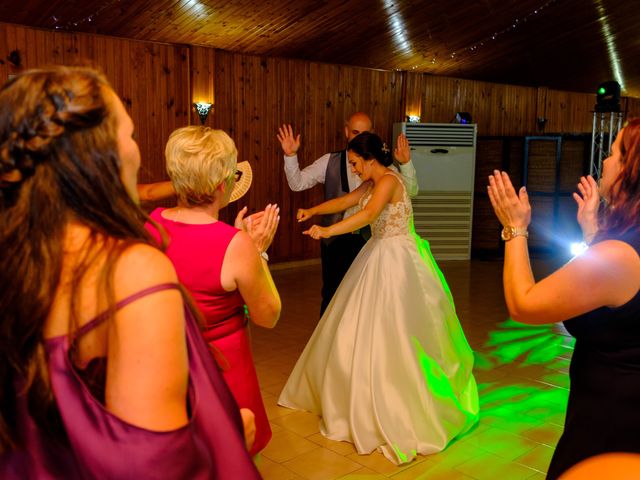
pixel 358 122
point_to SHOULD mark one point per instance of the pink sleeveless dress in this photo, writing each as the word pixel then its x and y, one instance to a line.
pixel 210 446
pixel 197 253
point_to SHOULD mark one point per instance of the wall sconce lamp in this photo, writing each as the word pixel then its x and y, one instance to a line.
pixel 413 118
pixel 541 121
pixel 203 110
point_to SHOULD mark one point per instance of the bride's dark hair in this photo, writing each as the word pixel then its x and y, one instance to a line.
pixel 370 146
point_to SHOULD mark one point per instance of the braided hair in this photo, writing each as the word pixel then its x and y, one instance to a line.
pixel 58 163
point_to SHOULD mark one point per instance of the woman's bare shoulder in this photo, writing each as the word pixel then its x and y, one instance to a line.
pixel 141 266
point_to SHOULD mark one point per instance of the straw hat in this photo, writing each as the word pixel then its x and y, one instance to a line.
pixel 242 185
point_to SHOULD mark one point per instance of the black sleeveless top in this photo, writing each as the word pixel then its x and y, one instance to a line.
pixel 603 411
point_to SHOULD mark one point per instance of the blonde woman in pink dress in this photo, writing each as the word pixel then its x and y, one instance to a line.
pixel 223 267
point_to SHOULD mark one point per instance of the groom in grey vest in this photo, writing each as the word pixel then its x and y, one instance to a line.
pixel 336 253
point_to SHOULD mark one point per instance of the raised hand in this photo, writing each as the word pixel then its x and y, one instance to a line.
pixel 588 201
pixel 303 214
pixel 317 232
pixel 289 143
pixel 402 152
pixel 511 209
pixel 263 232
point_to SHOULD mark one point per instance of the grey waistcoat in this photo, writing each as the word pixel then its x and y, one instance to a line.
pixel 336 184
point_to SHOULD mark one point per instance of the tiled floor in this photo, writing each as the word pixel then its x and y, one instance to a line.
pixel 521 373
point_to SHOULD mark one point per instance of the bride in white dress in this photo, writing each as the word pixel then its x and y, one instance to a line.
pixel 388 366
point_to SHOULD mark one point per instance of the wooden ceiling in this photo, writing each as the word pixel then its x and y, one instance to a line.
pixel 562 44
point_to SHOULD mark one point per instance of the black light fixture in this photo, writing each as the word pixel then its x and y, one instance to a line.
pixel 608 97
pixel 203 109
pixel 463 117
pixel 541 121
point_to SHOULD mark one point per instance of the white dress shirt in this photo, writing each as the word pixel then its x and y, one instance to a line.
pixel 315 173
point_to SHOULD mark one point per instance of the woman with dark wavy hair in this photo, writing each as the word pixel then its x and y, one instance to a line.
pixel 100 362
pixel 596 295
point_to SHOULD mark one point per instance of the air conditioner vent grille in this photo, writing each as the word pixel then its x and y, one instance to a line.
pixel 433 135
pixel 444 220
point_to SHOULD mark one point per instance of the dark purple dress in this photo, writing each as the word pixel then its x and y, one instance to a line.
pixel 102 446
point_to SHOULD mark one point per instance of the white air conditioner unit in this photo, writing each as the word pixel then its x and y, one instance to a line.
pixel 444 155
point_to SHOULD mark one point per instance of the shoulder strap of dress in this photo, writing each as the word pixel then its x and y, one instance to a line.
pixel 101 317
pixel 398 177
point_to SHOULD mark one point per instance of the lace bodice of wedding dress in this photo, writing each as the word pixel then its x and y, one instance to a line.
pixel 396 218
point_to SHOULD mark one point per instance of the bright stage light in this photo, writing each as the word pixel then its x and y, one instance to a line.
pixel 577 248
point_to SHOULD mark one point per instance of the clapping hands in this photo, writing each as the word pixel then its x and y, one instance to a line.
pixel 260 226
pixel 588 201
pixel 511 209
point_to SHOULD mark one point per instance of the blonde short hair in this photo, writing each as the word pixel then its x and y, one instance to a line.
pixel 198 160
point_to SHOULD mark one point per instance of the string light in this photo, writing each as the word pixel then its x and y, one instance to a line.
pixel 495 35
pixel 88 19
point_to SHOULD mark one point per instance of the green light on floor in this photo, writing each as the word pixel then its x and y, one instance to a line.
pixel 403 458
pixel 440 385
pixel 532 345
pixel 522 379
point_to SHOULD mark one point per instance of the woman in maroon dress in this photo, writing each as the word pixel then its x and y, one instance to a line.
pixel 102 369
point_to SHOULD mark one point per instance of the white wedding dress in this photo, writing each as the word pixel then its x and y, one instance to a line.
pixel 388 366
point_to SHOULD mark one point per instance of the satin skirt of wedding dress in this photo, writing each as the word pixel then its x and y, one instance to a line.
pixel 388 366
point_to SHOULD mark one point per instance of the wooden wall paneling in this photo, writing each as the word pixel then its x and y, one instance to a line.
pixel 415 96
pixel 514 159
pixel 254 95
pixel 202 63
pixel 316 99
pixel 575 155
pixel 504 109
pixel 497 109
pixel 307 97
pixel 19 40
pixel 541 110
pixel 541 173
pixel 449 33
pixel 485 236
pixel 633 107
pixel 147 108
pixel 569 112
pixel 440 100
pixel 150 78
